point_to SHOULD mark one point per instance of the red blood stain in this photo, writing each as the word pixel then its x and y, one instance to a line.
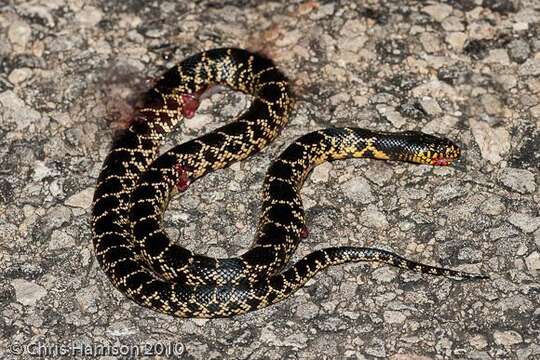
pixel 304 233
pixel 190 104
pixel 183 181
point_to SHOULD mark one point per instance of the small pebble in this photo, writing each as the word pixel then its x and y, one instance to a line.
pixel 519 180
pixel 533 261
pixel 82 199
pixel 519 50
pixel 494 142
pixel 26 292
pixel 507 338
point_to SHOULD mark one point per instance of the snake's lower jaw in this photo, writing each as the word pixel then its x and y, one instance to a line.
pixel 441 162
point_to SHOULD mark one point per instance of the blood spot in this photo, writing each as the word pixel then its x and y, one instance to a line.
pixel 304 233
pixel 190 104
pixel 183 181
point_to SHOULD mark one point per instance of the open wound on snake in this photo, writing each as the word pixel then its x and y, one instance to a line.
pixel 183 180
pixel 191 102
pixel 304 233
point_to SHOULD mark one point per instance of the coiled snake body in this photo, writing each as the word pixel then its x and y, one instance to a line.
pixel 135 186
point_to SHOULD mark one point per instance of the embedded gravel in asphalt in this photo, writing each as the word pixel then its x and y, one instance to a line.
pixel 71 72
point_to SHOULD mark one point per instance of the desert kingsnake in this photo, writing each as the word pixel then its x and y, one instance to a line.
pixel 134 188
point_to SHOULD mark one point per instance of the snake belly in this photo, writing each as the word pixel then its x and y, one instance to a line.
pixel 135 186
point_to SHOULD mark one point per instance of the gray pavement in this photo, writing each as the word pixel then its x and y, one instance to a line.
pixel 71 71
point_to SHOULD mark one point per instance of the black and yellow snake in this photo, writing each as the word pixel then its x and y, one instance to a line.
pixel 135 186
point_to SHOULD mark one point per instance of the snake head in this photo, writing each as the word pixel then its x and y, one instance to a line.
pixel 429 149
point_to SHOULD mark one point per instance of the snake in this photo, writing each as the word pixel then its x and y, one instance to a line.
pixel 136 184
